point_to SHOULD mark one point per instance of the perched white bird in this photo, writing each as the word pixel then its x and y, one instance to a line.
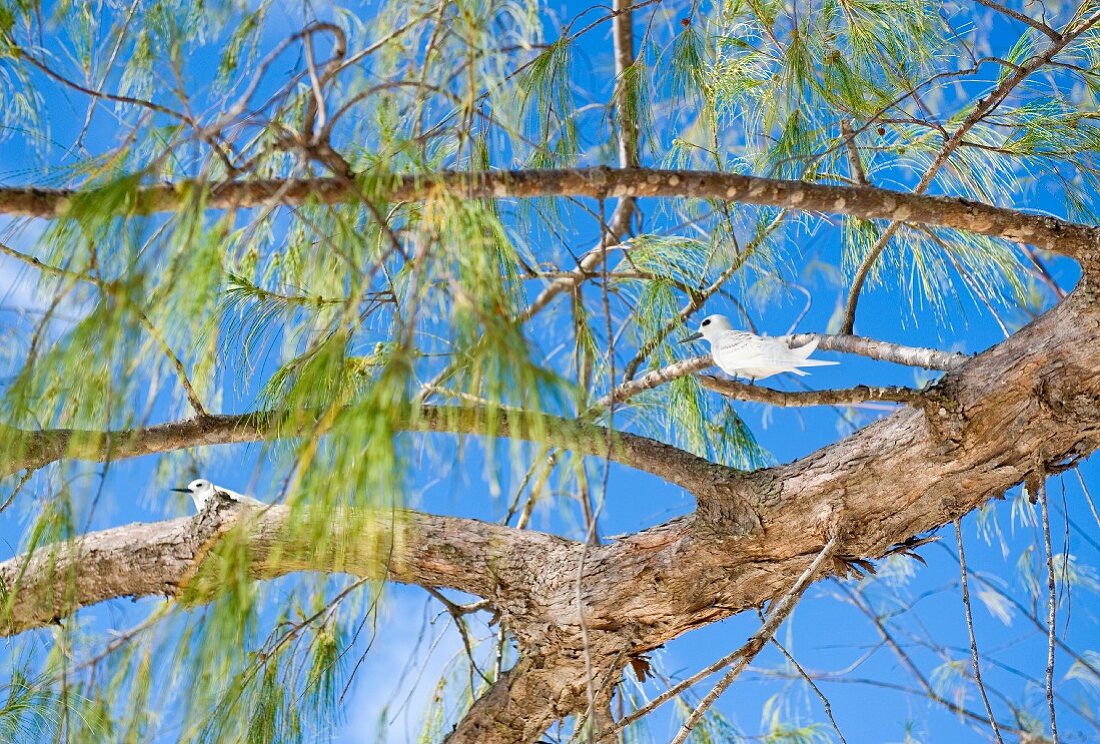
pixel 745 354
pixel 202 491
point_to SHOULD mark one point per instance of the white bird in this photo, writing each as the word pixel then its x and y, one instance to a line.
pixel 745 354
pixel 202 491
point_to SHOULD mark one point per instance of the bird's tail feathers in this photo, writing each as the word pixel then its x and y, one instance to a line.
pixel 815 363
pixel 805 349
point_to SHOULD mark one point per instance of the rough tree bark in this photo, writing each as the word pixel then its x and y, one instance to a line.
pixel 1024 407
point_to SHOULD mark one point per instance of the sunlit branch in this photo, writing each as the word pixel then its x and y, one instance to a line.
pixel 975 659
pixel 840 397
pixel 825 704
pixel 859 603
pixel 164 558
pixel 1052 601
pixel 1076 240
pixel 743 655
pixel 1037 25
pixel 778 613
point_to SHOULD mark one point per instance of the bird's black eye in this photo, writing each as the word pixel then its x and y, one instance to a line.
pixel 706 322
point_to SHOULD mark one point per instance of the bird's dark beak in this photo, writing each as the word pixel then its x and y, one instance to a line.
pixel 693 337
pixel 180 490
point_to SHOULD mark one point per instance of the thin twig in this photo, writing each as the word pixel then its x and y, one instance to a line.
pixel 973 638
pixel 108 288
pixel 809 680
pixel 1088 496
pixel 859 175
pixel 1042 271
pixel 982 108
pixel 907 662
pixel 1037 25
pixel 457 611
pixel 1052 600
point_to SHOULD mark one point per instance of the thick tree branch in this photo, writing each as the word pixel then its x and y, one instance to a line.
pixel 162 558
pixel 1078 241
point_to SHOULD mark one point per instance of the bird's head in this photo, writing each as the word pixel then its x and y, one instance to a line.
pixel 711 327
pixel 197 488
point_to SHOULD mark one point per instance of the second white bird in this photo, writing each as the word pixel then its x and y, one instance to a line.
pixel 744 354
pixel 202 491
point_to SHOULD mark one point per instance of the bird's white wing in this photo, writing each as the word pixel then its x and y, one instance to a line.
pixel 746 354
pixel 739 353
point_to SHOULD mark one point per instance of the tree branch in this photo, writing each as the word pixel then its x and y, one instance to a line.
pixel 34 449
pixel 757 641
pixel 161 559
pixel 846 396
pixel 1076 240
pixel 902 476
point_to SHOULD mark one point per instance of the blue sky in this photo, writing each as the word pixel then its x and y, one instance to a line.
pixel 825 634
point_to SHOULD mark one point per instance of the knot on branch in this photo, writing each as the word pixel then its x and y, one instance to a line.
pixel 1061 396
pixel 730 508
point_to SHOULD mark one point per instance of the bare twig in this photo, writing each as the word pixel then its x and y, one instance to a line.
pixel 809 680
pixel 457 612
pixel 908 663
pixel 1037 25
pixel 859 175
pixel 1042 271
pixel 1052 606
pixel 973 638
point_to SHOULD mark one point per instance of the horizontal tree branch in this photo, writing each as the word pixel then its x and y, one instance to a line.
pixel 163 558
pixel 883 351
pixel 1078 241
pixel 34 449
pixel 838 397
